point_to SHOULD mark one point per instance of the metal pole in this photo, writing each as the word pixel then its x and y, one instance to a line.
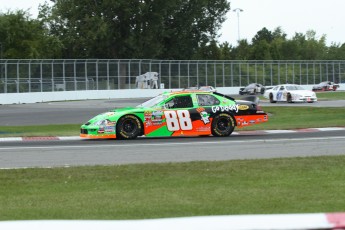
pixel 238 10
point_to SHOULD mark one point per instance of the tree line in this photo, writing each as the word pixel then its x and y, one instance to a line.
pixel 147 29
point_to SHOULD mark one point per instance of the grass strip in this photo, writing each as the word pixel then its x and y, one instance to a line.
pixel 141 191
pixel 40 130
pixel 281 117
pixel 326 96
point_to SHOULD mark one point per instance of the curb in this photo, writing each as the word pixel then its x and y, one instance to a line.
pixel 245 222
pixel 255 132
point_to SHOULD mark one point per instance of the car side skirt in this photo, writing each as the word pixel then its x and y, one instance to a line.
pixel 98 136
pixel 247 120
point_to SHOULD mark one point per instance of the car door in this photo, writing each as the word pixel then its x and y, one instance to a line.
pixel 280 93
pixel 179 113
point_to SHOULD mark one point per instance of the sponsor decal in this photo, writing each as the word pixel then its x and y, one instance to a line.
pixel 153 118
pixel 147 115
pixel 157 117
pixel 107 126
pixel 203 129
pixel 110 123
pixel 109 114
pixel 109 129
pixel 147 118
pixel 205 117
pixel 243 107
pixel 222 108
pixel 157 114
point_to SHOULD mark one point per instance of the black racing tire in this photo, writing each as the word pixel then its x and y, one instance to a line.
pixel 223 125
pixel 271 98
pixel 128 127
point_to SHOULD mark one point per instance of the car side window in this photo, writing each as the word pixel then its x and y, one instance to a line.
pixel 207 100
pixel 282 88
pixel 180 102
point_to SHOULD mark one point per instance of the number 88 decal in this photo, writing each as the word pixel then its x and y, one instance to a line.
pixel 177 120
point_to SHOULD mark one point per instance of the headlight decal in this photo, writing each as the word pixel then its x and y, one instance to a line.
pixel 105 126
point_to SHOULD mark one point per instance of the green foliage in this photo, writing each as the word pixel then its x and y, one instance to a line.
pixel 22 37
pixel 134 29
pixel 267 45
pixel 153 29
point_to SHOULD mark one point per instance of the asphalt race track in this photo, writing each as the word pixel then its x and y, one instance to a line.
pixel 78 112
pixel 64 153
pixel 183 149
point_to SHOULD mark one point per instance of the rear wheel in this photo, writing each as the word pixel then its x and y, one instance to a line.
pixel 128 127
pixel 223 125
pixel 289 98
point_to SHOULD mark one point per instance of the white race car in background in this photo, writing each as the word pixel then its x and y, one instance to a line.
pixel 290 93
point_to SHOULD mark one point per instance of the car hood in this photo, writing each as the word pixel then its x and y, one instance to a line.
pixel 110 114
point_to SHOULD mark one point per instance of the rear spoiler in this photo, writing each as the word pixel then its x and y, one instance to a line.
pixel 250 98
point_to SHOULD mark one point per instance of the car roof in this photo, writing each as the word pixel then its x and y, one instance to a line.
pixel 287 85
pixel 187 92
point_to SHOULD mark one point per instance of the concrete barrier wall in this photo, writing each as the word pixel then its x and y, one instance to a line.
pixel 21 98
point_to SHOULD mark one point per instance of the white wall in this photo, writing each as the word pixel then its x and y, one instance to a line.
pixel 21 98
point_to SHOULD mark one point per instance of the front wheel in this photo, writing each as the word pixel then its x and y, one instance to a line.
pixel 128 127
pixel 271 98
pixel 223 125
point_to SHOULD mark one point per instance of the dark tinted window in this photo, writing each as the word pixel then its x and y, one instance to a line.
pixel 207 100
pixel 180 102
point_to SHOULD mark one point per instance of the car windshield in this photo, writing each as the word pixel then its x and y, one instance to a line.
pixel 294 87
pixel 153 101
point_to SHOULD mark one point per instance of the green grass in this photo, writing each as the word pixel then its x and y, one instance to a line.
pixel 301 117
pixel 279 118
pixel 40 130
pixel 325 96
pixel 289 185
pixel 141 191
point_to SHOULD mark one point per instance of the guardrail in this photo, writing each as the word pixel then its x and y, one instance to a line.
pixel 52 75
pixel 34 97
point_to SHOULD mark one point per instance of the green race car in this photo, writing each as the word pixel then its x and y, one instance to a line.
pixel 182 113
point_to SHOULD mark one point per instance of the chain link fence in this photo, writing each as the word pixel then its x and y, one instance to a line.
pixel 19 76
